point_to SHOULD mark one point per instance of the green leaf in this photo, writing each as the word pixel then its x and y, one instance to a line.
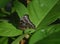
pixel 51 16
pixel 17 41
pixel 51 39
pixel 39 9
pixel 3 40
pixel 29 31
pixel 20 8
pixel 7 29
pixel 43 32
pixel 3 3
pixel 2 15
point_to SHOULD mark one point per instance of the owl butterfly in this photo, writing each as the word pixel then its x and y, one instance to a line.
pixel 25 23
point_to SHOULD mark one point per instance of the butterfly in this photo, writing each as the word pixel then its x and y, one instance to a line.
pixel 25 23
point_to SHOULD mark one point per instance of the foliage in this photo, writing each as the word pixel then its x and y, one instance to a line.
pixel 42 13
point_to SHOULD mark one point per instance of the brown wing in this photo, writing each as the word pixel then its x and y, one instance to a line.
pixel 25 22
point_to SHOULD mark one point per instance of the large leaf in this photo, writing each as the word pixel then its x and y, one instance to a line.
pixel 39 9
pixel 7 29
pixel 51 39
pixel 43 32
pixel 44 13
pixel 20 8
pixel 52 15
